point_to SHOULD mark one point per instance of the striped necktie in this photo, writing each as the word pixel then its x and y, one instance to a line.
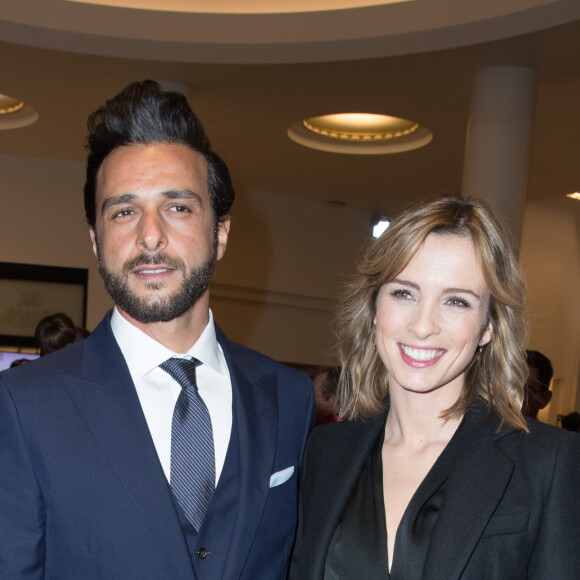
pixel 192 450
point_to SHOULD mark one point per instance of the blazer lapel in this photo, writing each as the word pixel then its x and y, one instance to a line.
pixel 468 505
pixel 325 496
pixel 105 397
pixel 255 406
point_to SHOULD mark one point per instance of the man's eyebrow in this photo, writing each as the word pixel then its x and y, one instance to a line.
pixel 169 194
pixel 117 200
pixel 182 194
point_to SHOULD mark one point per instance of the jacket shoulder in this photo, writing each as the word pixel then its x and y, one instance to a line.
pixel 337 442
pixel 61 362
pixel 546 439
pixel 255 363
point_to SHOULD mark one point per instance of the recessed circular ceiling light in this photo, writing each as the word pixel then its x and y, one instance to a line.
pixel 360 134
pixel 14 113
pixel 9 105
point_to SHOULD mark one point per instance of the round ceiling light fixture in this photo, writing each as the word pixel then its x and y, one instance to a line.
pixel 15 114
pixel 360 134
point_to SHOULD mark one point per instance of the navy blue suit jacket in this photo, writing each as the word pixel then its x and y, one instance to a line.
pixel 82 491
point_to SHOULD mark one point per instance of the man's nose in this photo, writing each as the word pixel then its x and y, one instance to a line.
pixel 151 232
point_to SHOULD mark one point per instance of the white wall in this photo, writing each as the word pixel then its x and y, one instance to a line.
pixel 550 254
pixel 274 290
pixel 276 287
pixel 42 220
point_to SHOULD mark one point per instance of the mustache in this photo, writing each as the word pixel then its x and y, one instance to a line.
pixel 152 259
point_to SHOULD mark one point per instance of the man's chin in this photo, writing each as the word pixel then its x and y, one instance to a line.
pixel 159 306
pixel 151 313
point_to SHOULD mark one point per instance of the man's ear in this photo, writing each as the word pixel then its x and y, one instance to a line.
pixel 223 231
pixel 93 240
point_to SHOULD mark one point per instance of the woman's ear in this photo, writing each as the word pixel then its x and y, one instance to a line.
pixel 487 334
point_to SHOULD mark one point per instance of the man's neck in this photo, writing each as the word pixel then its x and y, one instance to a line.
pixel 179 334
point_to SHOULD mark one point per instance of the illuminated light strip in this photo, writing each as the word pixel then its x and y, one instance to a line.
pixel 11 109
pixel 360 135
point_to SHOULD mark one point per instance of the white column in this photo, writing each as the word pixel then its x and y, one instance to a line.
pixel 498 140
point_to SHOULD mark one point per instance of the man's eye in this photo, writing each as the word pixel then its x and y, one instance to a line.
pixel 123 213
pixel 180 209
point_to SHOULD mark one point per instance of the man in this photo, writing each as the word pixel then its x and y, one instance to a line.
pixel 101 442
pixel 537 394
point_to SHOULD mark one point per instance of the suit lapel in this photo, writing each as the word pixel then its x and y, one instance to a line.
pixel 255 407
pixel 106 399
pixel 468 505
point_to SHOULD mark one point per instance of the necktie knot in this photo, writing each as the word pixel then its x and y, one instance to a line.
pixel 182 370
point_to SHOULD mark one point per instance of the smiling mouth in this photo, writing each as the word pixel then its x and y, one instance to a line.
pixel 152 271
pixel 421 354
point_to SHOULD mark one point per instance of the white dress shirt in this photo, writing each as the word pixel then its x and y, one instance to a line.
pixel 158 391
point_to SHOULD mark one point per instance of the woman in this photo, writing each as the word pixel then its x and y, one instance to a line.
pixel 434 473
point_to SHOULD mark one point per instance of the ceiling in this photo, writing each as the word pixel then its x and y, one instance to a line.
pixel 253 74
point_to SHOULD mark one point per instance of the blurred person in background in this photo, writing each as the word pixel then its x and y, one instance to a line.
pixel 55 332
pixel 537 393
pixel 325 386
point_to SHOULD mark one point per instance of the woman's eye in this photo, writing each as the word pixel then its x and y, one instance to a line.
pixel 457 301
pixel 402 294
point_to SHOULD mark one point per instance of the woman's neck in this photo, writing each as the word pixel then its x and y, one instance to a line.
pixel 416 419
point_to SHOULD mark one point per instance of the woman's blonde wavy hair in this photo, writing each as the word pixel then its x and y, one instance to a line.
pixel 498 370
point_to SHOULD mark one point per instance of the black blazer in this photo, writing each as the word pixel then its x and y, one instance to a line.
pixel 511 508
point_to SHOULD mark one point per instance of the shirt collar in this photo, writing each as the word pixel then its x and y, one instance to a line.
pixel 143 353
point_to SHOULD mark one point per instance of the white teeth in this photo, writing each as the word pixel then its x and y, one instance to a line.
pixel 421 354
pixel 159 271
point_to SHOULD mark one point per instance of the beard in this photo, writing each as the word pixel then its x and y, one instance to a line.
pixel 155 308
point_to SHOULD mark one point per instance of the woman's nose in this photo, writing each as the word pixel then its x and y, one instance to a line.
pixel 425 322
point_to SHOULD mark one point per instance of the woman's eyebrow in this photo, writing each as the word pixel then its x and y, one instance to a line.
pixel 405 283
pixel 462 291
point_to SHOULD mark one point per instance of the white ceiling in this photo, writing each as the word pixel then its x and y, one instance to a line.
pixel 368 29
pixel 251 76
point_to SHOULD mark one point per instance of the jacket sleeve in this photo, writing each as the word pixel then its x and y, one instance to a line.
pixel 557 550
pixel 22 511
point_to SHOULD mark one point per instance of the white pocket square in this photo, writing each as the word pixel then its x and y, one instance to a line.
pixel 281 477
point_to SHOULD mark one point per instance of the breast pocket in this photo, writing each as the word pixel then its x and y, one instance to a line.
pixel 510 523
pixel 282 494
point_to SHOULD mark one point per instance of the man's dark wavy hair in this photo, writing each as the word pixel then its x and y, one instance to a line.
pixel 143 114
